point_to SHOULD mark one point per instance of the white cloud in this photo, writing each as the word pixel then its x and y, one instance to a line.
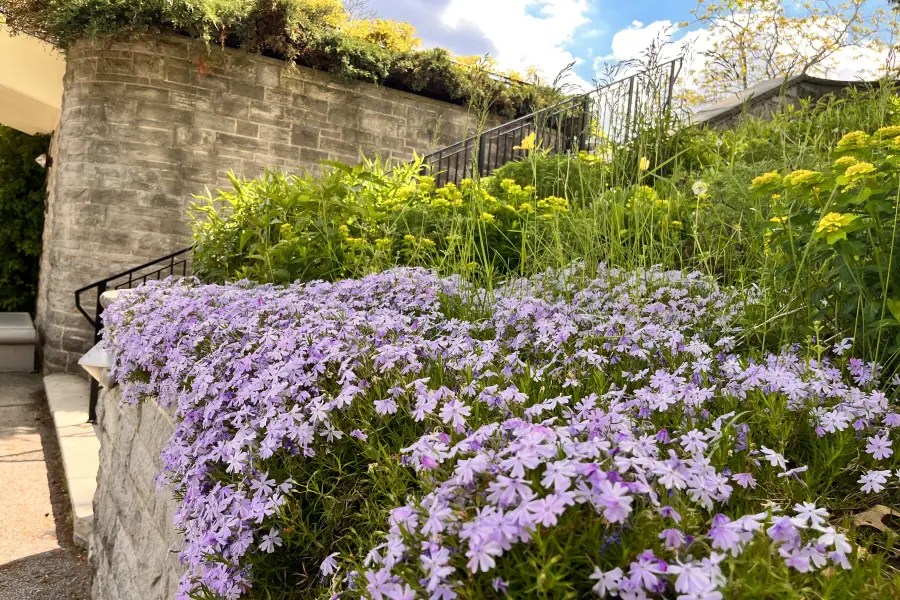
pixel 631 42
pixel 851 63
pixel 524 32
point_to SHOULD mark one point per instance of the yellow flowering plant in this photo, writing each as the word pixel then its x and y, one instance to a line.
pixel 834 232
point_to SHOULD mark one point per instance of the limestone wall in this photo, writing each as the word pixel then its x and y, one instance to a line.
pixel 133 546
pixel 147 124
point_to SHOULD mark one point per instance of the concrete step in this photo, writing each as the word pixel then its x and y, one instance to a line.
pixel 68 396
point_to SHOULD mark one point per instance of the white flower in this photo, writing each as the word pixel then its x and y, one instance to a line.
pixel 699 188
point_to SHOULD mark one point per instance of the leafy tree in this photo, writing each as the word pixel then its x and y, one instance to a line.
pixel 22 192
pixel 749 41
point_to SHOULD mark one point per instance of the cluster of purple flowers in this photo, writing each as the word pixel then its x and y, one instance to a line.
pixel 542 398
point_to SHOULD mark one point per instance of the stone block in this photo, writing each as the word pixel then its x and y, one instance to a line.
pixel 247 129
pixel 226 141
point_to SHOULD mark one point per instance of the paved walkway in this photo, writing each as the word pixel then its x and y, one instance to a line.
pixel 37 556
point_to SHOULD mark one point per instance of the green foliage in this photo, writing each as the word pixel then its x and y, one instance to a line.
pixel 358 220
pixel 833 237
pixel 22 192
pixel 305 31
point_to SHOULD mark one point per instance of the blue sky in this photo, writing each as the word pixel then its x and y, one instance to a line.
pixel 544 33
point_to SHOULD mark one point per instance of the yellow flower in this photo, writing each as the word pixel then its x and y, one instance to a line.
pixel 409 238
pixel 776 196
pixel 889 131
pixel 844 162
pixel 677 224
pixel 527 143
pixel 487 217
pixel 770 178
pixel 834 221
pixel 383 243
pixel 778 219
pixel 803 177
pixel 859 169
pixel 427 243
pixel 643 164
pixel 853 140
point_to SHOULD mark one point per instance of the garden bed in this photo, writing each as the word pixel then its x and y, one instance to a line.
pixel 580 432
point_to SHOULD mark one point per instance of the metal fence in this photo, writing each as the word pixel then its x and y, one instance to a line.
pixel 177 263
pixel 610 114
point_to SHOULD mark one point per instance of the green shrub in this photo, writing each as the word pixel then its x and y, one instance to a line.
pixel 357 220
pixel 22 192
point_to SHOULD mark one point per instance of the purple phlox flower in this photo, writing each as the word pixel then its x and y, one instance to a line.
pixel 646 569
pixel 874 481
pixel 386 406
pixel 693 442
pixel 455 412
pixel 614 501
pixel 672 538
pixel 809 515
pixel 723 537
pixel 744 480
pixel 559 475
pixel 669 513
pixel 500 586
pixel 481 554
pixel 329 565
pixel 378 584
pixel 795 472
pixel 842 346
pixel 270 541
pixel 693 578
pixel 775 459
pixel 607 582
pixel 879 446
pixel 358 434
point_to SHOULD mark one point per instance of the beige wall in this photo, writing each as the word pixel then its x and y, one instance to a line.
pixel 31 83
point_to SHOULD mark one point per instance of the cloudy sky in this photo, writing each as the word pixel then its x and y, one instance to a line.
pixel 552 33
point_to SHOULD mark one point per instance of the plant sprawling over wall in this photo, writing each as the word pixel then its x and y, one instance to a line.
pixel 314 33
pixel 22 193
pixel 572 434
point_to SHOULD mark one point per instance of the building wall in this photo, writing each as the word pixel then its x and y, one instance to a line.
pixel 133 545
pixel 147 124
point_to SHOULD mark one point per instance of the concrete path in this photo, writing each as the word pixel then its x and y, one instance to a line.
pixel 37 556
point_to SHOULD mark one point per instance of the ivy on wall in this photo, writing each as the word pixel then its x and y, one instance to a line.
pixel 22 194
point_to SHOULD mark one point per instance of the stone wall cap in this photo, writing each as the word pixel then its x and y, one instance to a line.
pixel 16 328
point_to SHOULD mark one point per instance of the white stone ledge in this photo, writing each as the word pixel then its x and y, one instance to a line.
pixel 79 445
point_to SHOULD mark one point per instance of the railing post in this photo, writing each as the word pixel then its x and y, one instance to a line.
pixel 481 163
pixel 585 122
pixel 98 325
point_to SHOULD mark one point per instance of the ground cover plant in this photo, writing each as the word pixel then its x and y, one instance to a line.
pixel 577 433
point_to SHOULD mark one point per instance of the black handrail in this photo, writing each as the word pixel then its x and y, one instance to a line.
pixel 571 125
pixel 170 264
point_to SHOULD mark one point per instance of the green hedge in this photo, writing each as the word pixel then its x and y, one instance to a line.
pixel 294 30
pixel 22 193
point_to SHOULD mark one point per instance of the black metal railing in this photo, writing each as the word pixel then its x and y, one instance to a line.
pixel 177 263
pixel 610 113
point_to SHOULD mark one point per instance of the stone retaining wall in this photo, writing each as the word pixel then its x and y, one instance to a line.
pixel 147 124
pixel 133 545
